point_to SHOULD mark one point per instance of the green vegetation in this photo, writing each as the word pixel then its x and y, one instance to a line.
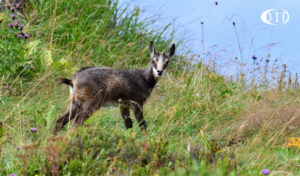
pixel 199 123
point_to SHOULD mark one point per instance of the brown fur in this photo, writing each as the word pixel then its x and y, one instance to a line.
pixel 93 87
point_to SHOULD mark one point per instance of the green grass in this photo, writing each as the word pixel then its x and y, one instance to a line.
pixel 197 125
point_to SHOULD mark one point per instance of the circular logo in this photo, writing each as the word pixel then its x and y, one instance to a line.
pixel 275 16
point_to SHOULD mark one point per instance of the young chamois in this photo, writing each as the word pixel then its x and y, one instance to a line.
pixel 93 87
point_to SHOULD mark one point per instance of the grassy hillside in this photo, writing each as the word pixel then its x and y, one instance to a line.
pixel 199 123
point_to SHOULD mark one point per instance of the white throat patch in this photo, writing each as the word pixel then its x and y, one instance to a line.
pixel 155 72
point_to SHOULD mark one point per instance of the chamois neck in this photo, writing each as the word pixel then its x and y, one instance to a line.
pixel 149 76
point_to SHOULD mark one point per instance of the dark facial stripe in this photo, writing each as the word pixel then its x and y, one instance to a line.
pixel 166 64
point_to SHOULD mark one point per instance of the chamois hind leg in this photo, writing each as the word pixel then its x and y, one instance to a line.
pixel 63 120
pixel 88 108
pixel 126 116
pixel 138 113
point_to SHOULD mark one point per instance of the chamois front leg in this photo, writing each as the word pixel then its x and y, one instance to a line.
pixel 126 116
pixel 138 113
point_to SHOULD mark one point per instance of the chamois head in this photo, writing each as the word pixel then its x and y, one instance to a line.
pixel 159 61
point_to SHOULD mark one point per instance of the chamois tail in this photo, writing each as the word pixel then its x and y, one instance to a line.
pixel 66 81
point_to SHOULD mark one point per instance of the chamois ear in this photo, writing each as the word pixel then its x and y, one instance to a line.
pixel 172 50
pixel 152 49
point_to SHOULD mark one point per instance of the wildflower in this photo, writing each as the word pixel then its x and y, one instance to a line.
pixel 20 36
pixel 26 36
pixel 213 76
pixel 11 25
pixel 34 130
pixel 254 57
pixel 265 171
pixel 12 9
pixel 13 16
pixel 13 174
pixel 8 5
pixel 18 148
pixel 293 142
pixel 21 26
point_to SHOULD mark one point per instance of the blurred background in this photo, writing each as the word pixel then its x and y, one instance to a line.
pixel 279 42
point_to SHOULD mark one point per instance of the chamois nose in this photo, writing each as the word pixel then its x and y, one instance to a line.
pixel 159 72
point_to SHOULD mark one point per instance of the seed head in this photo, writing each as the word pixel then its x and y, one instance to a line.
pixel 254 57
pixel 284 66
pixel 233 23
pixel 12 9
pixel 16 24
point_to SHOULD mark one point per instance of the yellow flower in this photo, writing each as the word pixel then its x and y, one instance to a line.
pixel 293 142
pixel 213 76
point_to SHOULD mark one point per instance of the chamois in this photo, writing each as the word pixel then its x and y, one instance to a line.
pixel 93 87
